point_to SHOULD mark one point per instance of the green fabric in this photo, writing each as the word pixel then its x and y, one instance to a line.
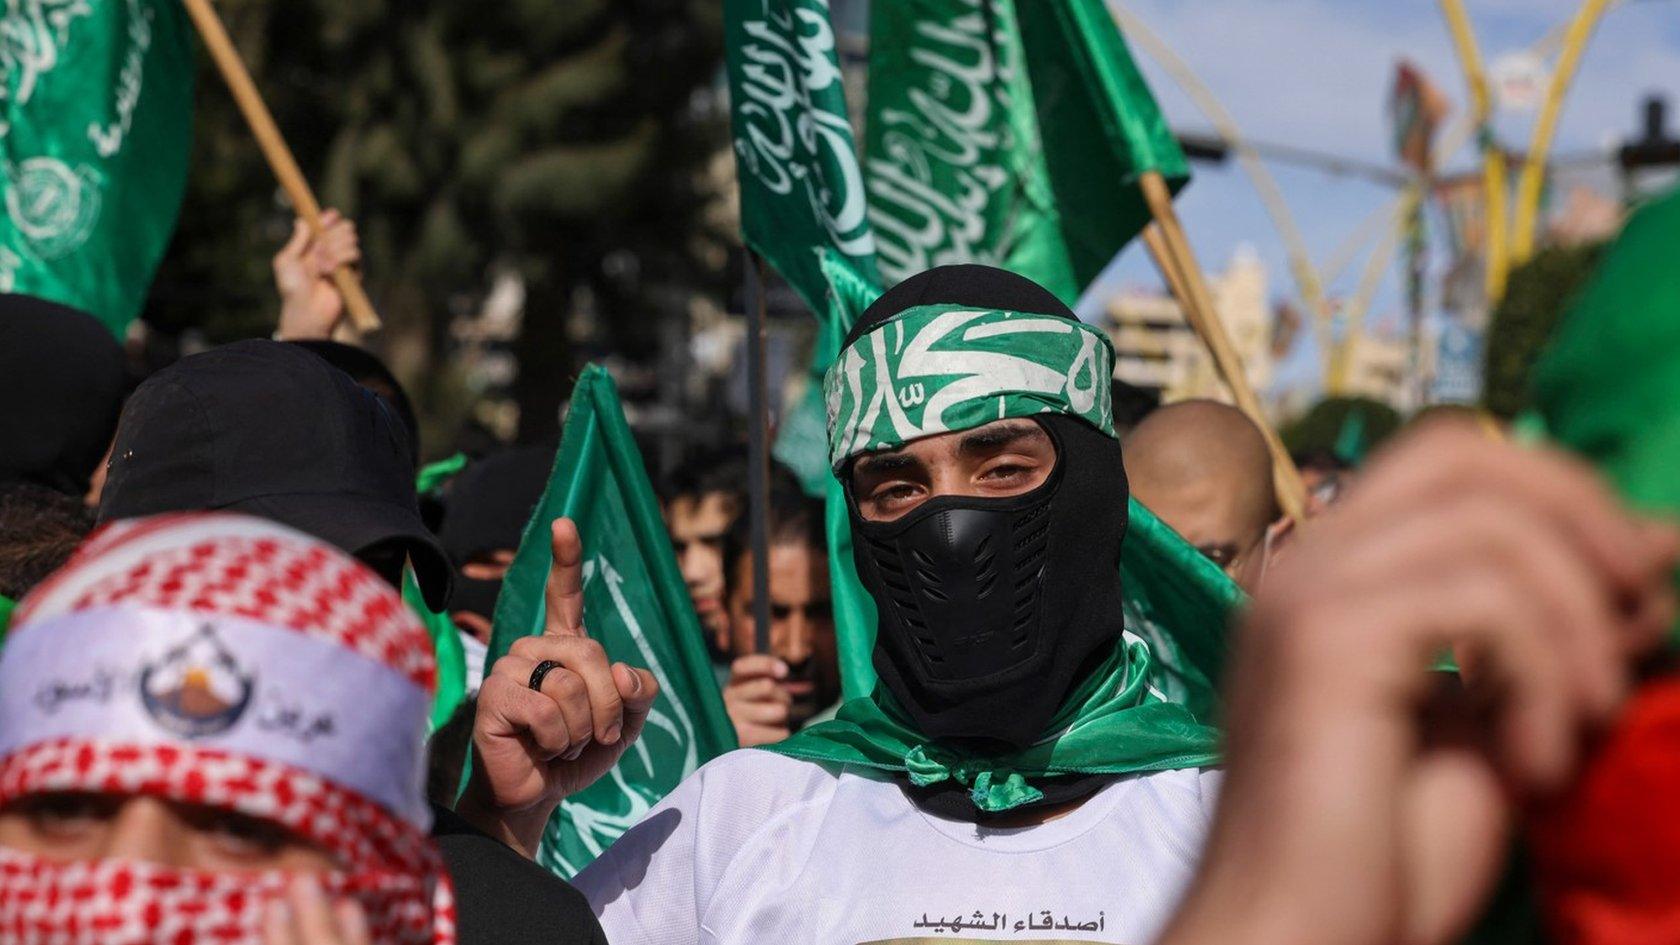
pixel 802 437
pixel 801 188
pixel 6 605
pixel 1011 134
pixel 1117 722
pixel 96 113
pixel 1609 385
pixel 635 604
pixel 936 368
pixel 1178 606
pixel 436 474
pixel 447 650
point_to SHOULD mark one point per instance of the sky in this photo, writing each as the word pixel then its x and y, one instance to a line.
pixel 1316 74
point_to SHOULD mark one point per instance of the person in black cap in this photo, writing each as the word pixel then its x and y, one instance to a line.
pixel 367 370
pixel 61 387
pixel 484 515
pixel 273 430
pixel 1018 761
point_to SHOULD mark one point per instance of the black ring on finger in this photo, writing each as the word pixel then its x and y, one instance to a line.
pixel 540 673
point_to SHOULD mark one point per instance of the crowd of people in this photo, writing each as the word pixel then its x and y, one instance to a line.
pixel 214 699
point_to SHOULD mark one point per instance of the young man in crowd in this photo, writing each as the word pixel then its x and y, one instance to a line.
pixel 270 429
pixel 1013 761
pixel 701 501
pixel 1203 468
pixel 194 748
pixel 770 695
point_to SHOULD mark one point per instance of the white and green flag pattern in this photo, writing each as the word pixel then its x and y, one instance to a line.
pixel 936 368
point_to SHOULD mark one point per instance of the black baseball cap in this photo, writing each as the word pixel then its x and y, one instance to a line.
pixel 61 385
pixel 271 429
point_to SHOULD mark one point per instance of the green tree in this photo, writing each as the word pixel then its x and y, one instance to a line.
pixel 1538 294
pixel 566 141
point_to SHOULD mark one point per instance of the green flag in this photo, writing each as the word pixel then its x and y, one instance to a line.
pixel 801 188
pixel 96 118
pixel 1608 387
pixel 447 650
pixel 1011 134
pixel 635 604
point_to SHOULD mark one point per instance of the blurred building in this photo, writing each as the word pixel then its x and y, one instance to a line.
pixel 1378 368
pixel 1157 351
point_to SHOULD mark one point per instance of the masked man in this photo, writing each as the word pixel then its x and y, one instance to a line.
pixel 1015 775
pixel 200 714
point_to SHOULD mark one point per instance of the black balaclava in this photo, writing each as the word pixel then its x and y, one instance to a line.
pixel 486 511
pixel 991 611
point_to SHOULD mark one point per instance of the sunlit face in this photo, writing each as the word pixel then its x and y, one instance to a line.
pixel 1000 459
pixel 69 827
pixel 1213 515
pixel 697 526
pixel 801 624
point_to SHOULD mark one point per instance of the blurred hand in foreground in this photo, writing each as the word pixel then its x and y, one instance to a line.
pixel 1368 798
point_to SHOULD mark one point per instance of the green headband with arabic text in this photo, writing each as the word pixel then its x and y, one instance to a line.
pixel 936 368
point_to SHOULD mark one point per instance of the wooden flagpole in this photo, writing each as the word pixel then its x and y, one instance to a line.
pixel 274 149
pixel 1171 250
pixel 758 452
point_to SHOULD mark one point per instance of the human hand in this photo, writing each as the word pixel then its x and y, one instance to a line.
pixel 307 917
pixel 758 704
pixel 1367 798
pixel 310 306
pixel 535 748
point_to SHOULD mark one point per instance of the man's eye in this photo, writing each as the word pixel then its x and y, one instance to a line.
pixel 1004 471
pixel 895 493
pixel 245 836
pixel 59 812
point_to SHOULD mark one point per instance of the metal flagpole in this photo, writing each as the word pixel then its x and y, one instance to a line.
pixel 758 453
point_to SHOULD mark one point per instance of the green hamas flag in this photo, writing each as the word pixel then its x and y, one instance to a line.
pixel 801 188
pixel 1608 387
pixel 1011 134
pixel 96 118
pixel 635 604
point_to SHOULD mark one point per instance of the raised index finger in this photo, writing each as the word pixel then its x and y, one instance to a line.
pixel 564 591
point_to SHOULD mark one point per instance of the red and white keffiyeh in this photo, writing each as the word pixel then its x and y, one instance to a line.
pixel 231 662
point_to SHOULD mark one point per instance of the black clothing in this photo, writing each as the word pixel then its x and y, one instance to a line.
pixel 501 898
pixel 269 429
pixel 61 381
pixel 367 370
pixel 485 511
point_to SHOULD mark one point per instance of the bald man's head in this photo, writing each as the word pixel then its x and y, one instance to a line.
pixel 1203 468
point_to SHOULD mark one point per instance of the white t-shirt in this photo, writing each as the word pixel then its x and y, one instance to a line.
pixel 756 847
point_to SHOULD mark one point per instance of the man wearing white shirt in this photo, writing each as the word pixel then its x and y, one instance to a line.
pixel 1016 774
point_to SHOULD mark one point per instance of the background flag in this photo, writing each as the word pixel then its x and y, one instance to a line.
pixel 635 604
pixel 801 188
pixel 1011 134
pixel 96 114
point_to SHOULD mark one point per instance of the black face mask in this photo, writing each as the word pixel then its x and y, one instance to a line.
pixel 993 610
pixel 475 596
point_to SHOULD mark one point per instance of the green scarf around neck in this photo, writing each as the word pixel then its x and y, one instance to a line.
pixel 1116 722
